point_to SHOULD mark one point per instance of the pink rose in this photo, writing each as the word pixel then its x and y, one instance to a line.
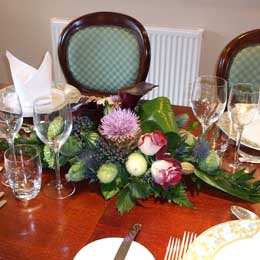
pixel 151 143
pixel 166 172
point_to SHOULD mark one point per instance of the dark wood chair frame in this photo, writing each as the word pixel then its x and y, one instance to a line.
pixel 99 19
pixel 242 41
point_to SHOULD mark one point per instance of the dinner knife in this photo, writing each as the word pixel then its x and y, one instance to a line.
pixel 126 243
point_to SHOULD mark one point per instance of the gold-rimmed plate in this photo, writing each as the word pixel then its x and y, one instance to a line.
pixel 230 240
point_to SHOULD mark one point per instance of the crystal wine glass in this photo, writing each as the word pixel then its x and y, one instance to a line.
pixel 208 99
pixel 243 108
pixel 11 119
pixel 53 124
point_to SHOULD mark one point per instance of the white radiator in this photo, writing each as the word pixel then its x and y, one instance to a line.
pixel 175 59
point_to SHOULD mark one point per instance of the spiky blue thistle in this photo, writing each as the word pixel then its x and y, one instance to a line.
pixel 201 149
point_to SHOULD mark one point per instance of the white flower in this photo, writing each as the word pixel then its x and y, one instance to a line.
pixel 136 164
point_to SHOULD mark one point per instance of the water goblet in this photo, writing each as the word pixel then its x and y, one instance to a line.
pixel 52 119
pixel 11 119
pixel 243 108
pixel 208 99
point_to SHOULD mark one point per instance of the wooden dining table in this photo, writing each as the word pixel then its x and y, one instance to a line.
pixel 57 229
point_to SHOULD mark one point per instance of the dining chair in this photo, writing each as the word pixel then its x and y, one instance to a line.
pixel 104 51
pixel 239 61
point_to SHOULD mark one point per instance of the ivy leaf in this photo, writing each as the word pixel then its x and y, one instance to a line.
pixel 125 201
pixel 109 190
pixel 138 190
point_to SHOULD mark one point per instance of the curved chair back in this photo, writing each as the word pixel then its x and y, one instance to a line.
pixel 102 52
pixel 240 59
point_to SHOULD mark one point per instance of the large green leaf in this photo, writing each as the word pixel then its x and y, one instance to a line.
pixel 236 184
pixel 157 114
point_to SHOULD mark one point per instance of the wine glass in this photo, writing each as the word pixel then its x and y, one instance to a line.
pixel 243 108
pixel 11 119
pixel 208 100
pixel 52 120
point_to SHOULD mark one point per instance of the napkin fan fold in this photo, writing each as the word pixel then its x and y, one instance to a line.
pixel 30 83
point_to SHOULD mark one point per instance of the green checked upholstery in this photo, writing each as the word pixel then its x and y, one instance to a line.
pixel 104 57
pixel 101 52
pixel 245 66
pixel 239 61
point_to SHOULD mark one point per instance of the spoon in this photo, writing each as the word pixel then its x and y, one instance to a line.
pixel 242 213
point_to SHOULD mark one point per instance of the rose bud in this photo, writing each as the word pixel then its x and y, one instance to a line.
pixel 151 143
pixel 166 172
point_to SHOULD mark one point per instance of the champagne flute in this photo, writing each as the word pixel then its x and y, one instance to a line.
pixel 243 108
pixel 11 119
pixel 208 100
pixel 52 120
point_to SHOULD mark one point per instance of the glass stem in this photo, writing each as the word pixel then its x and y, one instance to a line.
pixel 238 141
pixel 10 141
pixel 57 168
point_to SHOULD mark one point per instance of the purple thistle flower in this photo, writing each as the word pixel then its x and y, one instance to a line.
pixel 120 123
pixel 201 149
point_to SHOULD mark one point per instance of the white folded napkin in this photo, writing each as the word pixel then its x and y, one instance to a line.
pixel 30 83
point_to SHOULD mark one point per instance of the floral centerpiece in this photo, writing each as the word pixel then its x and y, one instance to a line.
pixel 142 152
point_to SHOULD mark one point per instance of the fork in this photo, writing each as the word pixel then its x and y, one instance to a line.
pixel 176 249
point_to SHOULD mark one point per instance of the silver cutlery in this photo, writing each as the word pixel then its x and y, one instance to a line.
pixel 176 249
pixel 242 213
pixel 126 243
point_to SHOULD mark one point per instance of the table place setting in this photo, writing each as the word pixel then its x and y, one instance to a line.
pixel 133 152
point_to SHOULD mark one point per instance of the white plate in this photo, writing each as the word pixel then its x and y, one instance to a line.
pixel 238 240
pixel 72 93
pixel 106 248
pixel 250 136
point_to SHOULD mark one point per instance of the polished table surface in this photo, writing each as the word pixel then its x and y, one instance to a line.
pixel 57 229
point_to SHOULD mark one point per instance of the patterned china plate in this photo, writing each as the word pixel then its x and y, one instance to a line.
pixel 229 240
pixel 250 137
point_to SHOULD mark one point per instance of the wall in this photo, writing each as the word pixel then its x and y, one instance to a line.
pixel 25 29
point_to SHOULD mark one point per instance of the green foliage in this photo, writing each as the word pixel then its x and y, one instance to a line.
pixel 49 157
pixel 109 190
pixel 55 128
pixel 125 201
pixel 182 120
pixel 157 114
pixel 238 184
pixel 89 139
pixel 71 147
pixel 76 172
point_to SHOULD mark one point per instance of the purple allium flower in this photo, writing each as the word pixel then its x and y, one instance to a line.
pixel 201 149
pixel 120 123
